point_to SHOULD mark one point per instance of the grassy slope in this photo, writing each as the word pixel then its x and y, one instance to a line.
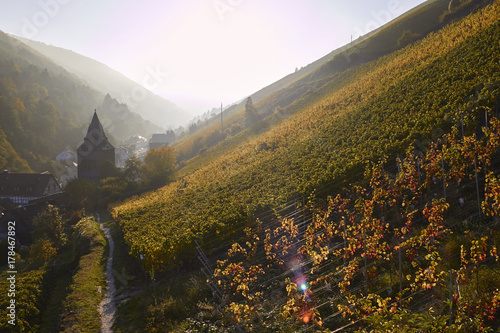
pixel 375 109
pixel 81 303
pixel 60 294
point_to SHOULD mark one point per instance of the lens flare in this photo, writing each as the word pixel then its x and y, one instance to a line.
pixel 300 279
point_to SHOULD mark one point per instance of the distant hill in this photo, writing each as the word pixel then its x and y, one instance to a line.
pixel 108 81
pixel 44 109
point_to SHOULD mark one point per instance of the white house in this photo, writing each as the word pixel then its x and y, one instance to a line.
pixel 65 156
pixel 121 155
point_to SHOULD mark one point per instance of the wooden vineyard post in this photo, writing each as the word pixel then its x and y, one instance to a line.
pixel 451 297
pixel 400 272
pixel 477 187
pixel 444 176
pixel 365 269
pixel 418 169
pixel 216 292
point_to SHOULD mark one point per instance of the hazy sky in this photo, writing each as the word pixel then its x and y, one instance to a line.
pixel 203 52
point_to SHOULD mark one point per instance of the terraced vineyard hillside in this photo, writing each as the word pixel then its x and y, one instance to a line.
pixel 394 159
pixel 378 109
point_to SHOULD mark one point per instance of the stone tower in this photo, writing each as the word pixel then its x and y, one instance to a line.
pixel 94 151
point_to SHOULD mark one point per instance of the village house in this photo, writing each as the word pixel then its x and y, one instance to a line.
pixel 22 188
pixel 160 140
pixel 121 156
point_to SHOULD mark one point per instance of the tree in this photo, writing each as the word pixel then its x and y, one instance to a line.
pixel 111 189
pixel 251 115
pixel 82 191
pixel 193 128
pixel 214 138
pixel 132 169
pixel 42 250
pixel 49 225
pixel 108 169
pixel 407 38
pixel 170 136
pixel 197 146
pixel 159 166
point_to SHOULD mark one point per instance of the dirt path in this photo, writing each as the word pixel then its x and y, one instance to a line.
pixel 107 308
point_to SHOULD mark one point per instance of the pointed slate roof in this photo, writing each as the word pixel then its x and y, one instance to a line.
pixel 95 125
pixel 95 138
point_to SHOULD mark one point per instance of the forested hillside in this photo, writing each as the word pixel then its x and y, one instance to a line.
pixel 160 111
pixel 44 110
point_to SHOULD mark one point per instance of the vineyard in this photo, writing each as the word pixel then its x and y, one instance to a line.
pixel 408 250
pixel 325 142
pixel 370 203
